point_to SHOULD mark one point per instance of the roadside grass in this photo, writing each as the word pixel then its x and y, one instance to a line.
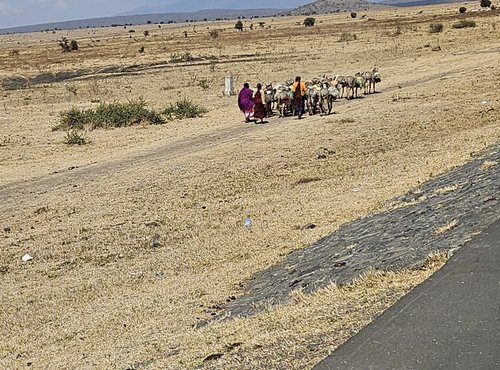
pixel 446 189
pixel 299 334
pixel 449 226
pixel 488 164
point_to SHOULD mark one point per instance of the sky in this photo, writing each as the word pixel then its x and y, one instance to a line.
pixel 26 12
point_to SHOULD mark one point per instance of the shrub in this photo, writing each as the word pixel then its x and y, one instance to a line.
pixel 309 22
pixel 347 36
pixel 184 57
pixel 75 137
pixel 464 23
pixel 123 114
pixel 110 115
pixel 354 15
pixel 214 33
pixel 67 45
pixel 435 27
pixel 73 118
pixel 485 3
pixel 183 109
pixel 462 9
pixel 203 83
pixel 239 25
pixel 72 89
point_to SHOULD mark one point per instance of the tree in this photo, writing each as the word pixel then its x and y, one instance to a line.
pixel 309 22
pixel 485 3
pixel 239 26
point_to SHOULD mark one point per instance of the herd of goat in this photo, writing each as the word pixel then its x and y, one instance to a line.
pixel 320 93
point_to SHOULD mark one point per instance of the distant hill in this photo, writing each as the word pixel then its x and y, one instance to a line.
pixel 185 6
pixel 211 14
pixel 418 2
pixel 317 7
pixel 334 6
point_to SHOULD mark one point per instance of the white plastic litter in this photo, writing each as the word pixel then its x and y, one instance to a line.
pixel 26 258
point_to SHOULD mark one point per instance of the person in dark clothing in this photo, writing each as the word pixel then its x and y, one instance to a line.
pixel 259 110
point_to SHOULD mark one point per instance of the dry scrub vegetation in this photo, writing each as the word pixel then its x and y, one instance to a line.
pixel 137 235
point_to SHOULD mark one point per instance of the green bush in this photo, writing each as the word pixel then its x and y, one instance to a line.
pixel 485 3
pixel 183 109
pixel 124 114
pixel 464 23
pixel 435 27
pixel 74 118
pixel 110 115
pixel 462 9
pixel 309 22
pixel 75 137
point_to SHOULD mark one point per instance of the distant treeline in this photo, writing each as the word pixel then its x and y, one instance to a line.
pixel 165 18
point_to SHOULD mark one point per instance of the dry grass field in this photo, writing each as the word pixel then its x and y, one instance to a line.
pixel 137 235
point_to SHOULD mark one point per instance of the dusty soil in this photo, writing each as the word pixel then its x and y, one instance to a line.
pixel 137 236
pixel 440 215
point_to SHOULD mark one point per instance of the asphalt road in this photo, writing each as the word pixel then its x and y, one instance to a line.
pixel 451 321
